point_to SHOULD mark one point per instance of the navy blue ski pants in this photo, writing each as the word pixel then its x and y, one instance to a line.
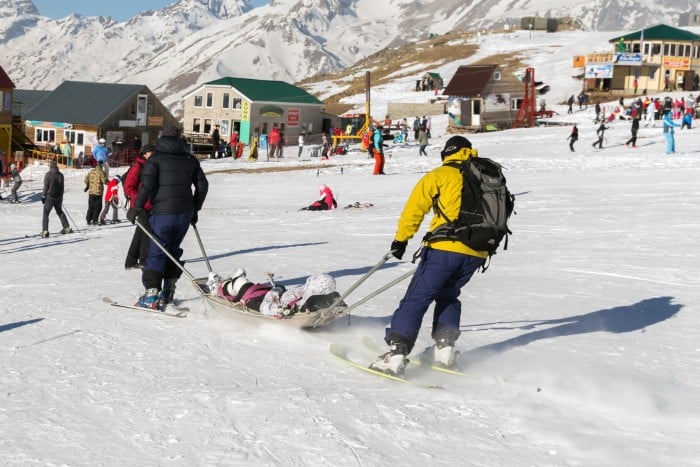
pixel 169 230
pixel 439 277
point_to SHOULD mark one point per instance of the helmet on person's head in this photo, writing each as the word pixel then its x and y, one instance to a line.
pixel 454 145
pixel 102 141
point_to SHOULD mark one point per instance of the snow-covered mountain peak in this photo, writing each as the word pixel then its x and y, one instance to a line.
pixel 10 8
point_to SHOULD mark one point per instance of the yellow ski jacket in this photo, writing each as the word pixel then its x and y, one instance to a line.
pixel 445 182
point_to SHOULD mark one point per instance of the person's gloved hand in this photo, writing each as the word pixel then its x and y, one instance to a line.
pixel 43 199
pixel 86 189
pixel 195 218
pixel 398 248
pixel 131 214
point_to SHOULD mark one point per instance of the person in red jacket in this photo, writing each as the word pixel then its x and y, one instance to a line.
pixel 140 243
pixel 325 203
pixel 274 139
pixel 111 200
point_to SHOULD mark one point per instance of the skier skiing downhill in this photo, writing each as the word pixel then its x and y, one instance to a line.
pixel 445 266
pixel 325 203
pixel 167 180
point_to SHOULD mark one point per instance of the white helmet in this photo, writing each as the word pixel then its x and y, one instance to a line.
pixel 102 140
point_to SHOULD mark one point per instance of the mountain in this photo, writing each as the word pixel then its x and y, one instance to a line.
pixel 174 49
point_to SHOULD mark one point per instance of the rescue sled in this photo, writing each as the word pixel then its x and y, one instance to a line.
pixel 301 319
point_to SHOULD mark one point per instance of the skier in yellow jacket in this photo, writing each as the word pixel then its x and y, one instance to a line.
pixel 445 266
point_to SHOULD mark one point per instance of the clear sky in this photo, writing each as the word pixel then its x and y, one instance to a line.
pixel 120 10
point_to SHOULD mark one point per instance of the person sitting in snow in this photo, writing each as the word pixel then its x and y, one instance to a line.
pixel 317 293
pixel 325 203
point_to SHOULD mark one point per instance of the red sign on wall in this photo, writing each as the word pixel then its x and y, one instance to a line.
pixel 293 117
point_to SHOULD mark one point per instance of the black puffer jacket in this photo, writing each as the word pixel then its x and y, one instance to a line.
pixel 53 182
pixel 168 177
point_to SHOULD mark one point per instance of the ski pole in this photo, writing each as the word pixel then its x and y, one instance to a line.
pixel 71 219
pixel 384 259
pixel 201 247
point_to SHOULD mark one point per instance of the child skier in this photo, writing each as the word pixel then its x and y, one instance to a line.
pixel 17 181
pixel 325 203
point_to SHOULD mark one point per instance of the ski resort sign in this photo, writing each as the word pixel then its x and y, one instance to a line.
pixel 599 70
pixel 628 59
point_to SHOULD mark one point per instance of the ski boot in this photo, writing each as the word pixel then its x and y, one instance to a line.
pixel 44 234
pixel 444 354
pixel 149 299
pixel 66 230
pixel 394 361
pixel 168 292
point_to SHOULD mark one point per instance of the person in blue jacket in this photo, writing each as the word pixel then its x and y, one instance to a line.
pixel 101 153
pixel 668 133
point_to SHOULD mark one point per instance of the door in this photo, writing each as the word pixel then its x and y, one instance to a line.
pixel 476 112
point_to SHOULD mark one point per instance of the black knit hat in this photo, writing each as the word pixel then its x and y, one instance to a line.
pixel 455 144
pixel 147 148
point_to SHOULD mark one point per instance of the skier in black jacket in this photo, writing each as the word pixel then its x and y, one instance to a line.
pixel 167 180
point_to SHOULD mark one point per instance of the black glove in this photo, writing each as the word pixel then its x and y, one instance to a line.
pixel 43 199
pixel 131 214
pixel 195 218
pixel 86 188
pixel 398 249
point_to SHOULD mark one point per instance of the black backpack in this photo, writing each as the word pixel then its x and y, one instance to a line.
pixel 485 208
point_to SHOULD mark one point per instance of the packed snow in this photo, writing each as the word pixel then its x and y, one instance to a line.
pixel 579 342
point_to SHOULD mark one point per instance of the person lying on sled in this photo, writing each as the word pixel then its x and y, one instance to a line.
pixel 318 292
pixel 325 202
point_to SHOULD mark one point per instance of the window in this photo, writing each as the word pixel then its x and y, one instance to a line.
pixel 207 125
pixel 196 125
pixel 516 103
pixel 44 135
pixel 496 75
pixel 236 103
pixel 225 128
pixel 210 99
pixel 656 49
pixel 226 101
pixel 197 101
pixel 75 137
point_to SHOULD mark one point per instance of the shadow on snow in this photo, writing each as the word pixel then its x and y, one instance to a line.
pixel 620 319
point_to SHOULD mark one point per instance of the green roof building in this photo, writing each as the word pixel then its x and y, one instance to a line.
pixel 657 58
pixel 250 108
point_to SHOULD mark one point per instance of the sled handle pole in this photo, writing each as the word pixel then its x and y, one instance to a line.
pixel 379 291
pixel 160 245
pixel 384 259
pixel 167 253
pixel 201 247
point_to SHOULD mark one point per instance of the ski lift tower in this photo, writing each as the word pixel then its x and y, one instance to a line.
pixel 525 117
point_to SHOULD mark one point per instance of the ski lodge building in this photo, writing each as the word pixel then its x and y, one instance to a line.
pixel 658 58
pixel 81 113
pixel 481 97
pixel 7 88
pixel 250 107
